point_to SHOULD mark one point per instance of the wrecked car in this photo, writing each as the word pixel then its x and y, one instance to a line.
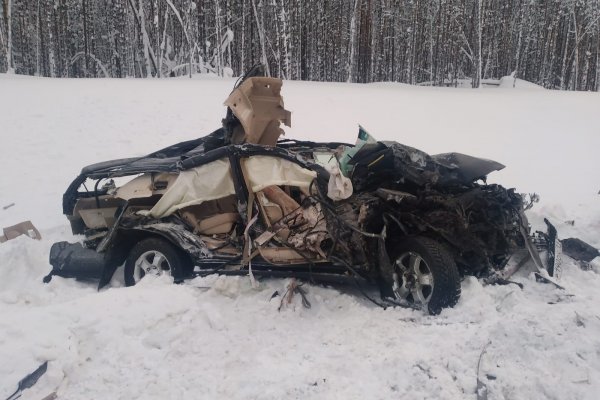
pixel 242 201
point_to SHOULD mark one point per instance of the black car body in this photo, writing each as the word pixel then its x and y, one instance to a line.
pixel 411 222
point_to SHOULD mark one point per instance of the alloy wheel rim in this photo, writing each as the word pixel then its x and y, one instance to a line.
pixel 413 280
pixel 153 263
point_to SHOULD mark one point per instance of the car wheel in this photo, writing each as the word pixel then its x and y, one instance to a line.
pixel 425 274
pixel 153 256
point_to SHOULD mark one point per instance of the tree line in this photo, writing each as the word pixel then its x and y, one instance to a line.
pixel 554 43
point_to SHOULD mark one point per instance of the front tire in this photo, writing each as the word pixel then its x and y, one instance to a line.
pixel 425 274
pixel 153 256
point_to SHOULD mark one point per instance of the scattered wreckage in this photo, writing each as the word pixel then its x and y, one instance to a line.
pixel 25 228
pixel 241 201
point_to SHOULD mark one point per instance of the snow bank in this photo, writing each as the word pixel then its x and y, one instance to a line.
pixel 218 337
pixel 506 82
pixel 511 82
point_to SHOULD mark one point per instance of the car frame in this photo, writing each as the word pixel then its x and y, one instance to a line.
pixel 384 212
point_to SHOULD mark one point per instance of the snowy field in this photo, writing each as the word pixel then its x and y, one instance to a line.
pixel 217 337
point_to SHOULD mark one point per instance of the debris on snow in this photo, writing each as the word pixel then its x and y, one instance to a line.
pixel 538 351
pixel 23 228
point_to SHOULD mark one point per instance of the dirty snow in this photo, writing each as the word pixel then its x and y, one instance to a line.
pixel 218 337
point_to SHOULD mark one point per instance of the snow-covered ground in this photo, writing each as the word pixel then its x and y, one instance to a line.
pixel 219 338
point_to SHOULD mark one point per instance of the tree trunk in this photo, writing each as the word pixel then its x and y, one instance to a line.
pixel 8 22
pixel 286 40
pixel 147 48
pixel 219 52
pixel 38 39
pixel 351 62
pixel 85 37
pixel 479 42
pixel 261 37
pixel 163 42
pixel 51 60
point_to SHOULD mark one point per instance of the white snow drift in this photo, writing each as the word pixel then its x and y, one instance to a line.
pixel 219 338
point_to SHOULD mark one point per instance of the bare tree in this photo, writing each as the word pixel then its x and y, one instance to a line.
pixel 351 62
pixel 261 34
pixel 442 42
pixel 149 56
pixel 7 9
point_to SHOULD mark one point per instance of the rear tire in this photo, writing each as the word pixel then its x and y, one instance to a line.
pixel 424 273
pixel 154 256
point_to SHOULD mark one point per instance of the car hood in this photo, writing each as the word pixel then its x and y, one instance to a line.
pixel 392 164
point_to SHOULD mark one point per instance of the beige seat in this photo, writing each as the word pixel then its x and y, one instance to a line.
pixel 220 223
pixel 212 217
pixel 276 204
pixel 280 202
pixel 272 210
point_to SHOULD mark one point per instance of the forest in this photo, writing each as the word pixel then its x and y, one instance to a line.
pixel 553 43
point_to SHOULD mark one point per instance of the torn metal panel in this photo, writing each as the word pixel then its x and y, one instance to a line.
pixel 579 250
pixel 555 250
pixel 384 163
pixel 146 185
pixel 542 273
pixel 23 228
pixel 258 105
pixel 178 234
pixel 465 168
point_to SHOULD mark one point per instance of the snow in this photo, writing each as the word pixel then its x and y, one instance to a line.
pixel 511 82
pixel 218 337
pixel 506 82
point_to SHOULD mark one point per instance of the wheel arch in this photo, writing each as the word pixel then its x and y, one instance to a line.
pixel 397 231
pixel 180 265
pixel 126 239
pixel 443 255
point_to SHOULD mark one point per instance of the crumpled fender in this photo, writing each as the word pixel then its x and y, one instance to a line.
pixel 466 168
pixel 73 260
pixel 172 232
pixel 180 237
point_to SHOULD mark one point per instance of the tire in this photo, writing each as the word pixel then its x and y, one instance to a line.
pixel 424 273
pixel 156 256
